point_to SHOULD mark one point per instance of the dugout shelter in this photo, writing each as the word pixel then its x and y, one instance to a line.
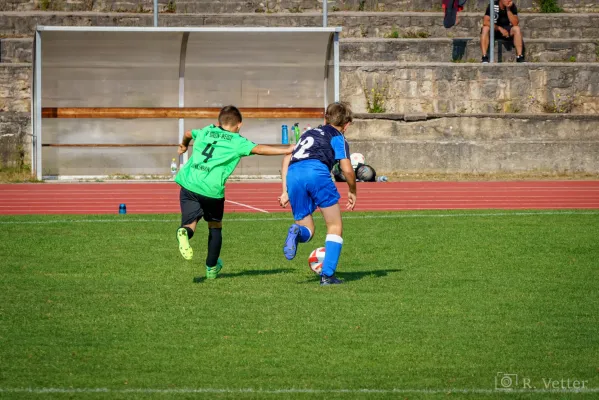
pixel 117 100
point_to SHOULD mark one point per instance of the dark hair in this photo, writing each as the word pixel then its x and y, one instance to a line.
pixel 229 116
pixel 338 114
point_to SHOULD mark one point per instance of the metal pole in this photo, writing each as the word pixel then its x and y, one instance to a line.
pixel 492 32
pixel 155 13
pixel 327 67
pixel 336 65
pixel 38 105
pixel 324 13
pixel 183 159
pixel 33 110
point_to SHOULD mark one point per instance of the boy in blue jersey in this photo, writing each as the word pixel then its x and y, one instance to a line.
pixel 307 184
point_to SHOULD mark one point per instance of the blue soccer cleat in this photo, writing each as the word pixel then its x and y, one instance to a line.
pixel 329 280
pixel 290 247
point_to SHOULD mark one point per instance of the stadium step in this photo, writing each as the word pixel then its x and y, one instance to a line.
pixel 15 87
pixel 18 50
pixel 465 50
pixel 262 6
pixel 465 88
pixel 355 24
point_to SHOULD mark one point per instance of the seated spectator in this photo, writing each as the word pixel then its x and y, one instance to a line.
pixel 506 27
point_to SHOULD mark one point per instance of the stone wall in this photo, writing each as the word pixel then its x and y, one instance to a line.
pixel 470 88
pixel 355 24
pixel 260 6
pixel 466 50
pixel 16 50
pixel 15 88
pixel 482 144
pixel 15 139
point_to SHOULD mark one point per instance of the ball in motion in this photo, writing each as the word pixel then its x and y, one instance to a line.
pixel 365 173
pixel 315 260
pixel 356 158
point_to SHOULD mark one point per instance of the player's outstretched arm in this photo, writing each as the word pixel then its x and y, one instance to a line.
pixel 185 142
pixel 266 150
pixel 284 198
pixel 350 177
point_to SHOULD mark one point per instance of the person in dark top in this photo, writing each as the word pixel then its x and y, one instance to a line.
pixel 506 27
pixel 307 185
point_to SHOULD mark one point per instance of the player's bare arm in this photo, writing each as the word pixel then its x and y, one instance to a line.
pixel 284 197
pixel 350 176
pixel 185 142
pixel 266 150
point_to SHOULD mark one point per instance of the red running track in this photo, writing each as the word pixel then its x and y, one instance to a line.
pixel 150 198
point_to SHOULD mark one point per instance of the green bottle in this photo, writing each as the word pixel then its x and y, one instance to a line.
pixel 297 132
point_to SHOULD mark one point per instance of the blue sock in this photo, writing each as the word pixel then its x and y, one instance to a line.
pixel 332 247
pixel 305 234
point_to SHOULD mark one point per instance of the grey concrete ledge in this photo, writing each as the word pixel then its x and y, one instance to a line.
pixel 396 64
pixel 426 116
pixel 15 65
pixel 287 14
pixel 405 40
pixel 450 40
pixel 355 24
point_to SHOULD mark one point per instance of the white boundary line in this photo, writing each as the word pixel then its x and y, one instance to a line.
pixel 292 390
pixel 290 218
pixel 245 205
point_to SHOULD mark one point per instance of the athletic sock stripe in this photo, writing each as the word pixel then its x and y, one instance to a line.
pixel 334 238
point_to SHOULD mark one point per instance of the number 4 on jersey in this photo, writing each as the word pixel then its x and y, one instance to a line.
pixel 208 150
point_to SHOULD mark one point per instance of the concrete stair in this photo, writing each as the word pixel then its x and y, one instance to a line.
pixel 414 71
pixel 271 6
pixel 16 50
pixel 19 50
pixel 473 88
pixel 465 50
pixel 355 24
pixel 462 86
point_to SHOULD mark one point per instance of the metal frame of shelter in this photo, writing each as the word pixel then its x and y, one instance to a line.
pixel 41 111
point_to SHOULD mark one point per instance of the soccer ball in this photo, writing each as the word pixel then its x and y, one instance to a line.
pixel 365 173
pixel 356 158
pixel 315 260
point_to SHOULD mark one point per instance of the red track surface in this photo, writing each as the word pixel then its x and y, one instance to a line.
pixel 147 198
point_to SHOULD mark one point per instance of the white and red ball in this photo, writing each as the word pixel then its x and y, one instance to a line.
pixel 315 260
pixel 356 158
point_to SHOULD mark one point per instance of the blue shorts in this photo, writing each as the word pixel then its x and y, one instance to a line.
pixel 309 185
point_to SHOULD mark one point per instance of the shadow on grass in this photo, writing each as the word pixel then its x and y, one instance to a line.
pixel 355 276
pixel 254 272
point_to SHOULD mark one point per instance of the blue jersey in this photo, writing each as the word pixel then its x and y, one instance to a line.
pixel 325 144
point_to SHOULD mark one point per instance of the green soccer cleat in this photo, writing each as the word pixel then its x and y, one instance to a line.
pixel 184 247
pixel 212 272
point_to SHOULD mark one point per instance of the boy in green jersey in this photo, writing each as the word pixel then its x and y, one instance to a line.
pixel 216 152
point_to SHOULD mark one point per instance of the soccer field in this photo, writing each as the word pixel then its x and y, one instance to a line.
pixel 436 305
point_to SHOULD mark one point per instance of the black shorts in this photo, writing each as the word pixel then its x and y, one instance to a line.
pixel 498 35
pixel 195 206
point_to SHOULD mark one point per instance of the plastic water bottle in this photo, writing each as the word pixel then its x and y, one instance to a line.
pixel 296 129
pixel 382 178
pixel 285 135
pixel 122 209
pixel 173 168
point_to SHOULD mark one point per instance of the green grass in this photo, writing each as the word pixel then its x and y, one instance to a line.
pixel 432 300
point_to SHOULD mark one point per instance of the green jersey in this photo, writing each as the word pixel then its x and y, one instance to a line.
pixel 216 153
